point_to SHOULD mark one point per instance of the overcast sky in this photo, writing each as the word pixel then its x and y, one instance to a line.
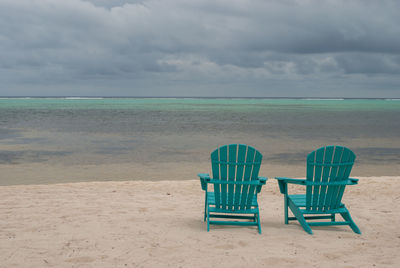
pixel 200 48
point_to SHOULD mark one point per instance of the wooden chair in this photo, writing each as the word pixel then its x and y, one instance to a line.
pixel 231 193
pixel 328 170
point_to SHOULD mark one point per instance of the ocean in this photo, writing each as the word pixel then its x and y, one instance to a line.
pixel 71 132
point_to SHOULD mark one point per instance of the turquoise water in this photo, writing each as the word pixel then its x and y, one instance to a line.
pixel 194 104
pixel 295 118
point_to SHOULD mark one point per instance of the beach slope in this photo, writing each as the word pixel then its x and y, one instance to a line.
pixel 160 224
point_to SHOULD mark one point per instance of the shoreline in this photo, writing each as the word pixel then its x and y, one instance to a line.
pixel 52 173
pixel 160 224
pixel 66 183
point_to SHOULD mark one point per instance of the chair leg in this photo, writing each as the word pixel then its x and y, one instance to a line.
pixel 208 220
pixel 258 223
pixel 205 206
pixel 346 216
pixel 286 209
pixel 205 210
pixel 299 216
pixel 333 217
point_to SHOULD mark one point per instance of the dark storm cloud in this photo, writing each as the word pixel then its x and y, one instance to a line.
pixel 178 47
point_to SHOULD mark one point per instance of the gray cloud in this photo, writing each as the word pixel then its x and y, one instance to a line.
pixel 178 47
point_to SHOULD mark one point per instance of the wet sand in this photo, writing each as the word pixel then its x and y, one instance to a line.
pixel 48 157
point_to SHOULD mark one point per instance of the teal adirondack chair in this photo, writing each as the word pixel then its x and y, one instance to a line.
pixel 328 170
pixel 232 191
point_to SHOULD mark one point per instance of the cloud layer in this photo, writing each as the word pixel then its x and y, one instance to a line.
pixel 200 48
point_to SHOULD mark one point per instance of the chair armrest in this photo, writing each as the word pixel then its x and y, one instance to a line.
pixel 353 181
pixel 262 181
pixel 290 180
pixel 336 183
pixel 204 179
pixel 204 175
pixel 282 181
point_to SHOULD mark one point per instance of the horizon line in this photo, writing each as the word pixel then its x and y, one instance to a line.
pixel 194 97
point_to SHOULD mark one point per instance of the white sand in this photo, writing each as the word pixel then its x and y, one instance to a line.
pixel 160 224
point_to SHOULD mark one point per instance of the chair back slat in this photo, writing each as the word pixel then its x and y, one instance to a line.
pixel 319 158
pixel 348 156
pixel 223 157
pixel 216 176
pixel 235 163
pixel 232 173
pixel 254 175
pixel 247 175
pixel 241 158
pixel 327 164
pixel 331 190
pixel 310 174
pixel 326 169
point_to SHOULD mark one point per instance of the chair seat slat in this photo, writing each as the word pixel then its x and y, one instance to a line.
pixel 236 163
pixel 236 182
pixel 332 164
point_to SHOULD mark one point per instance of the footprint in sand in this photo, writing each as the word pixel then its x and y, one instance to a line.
pixel 243 244
pixel 227 246
pixel 83 259
pixel 143 210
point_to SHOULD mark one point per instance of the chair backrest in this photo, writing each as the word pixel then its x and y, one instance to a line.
pixel 233 165
pixel 326 168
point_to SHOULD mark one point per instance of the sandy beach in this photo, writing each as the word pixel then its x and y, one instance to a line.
pixel 110 109
pixel 159 224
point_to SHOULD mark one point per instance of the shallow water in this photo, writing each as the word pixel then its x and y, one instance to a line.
pixel 123 130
